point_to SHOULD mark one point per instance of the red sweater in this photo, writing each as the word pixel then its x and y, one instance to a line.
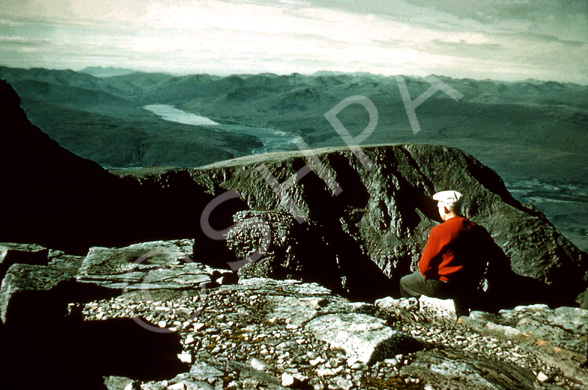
pixel 450 248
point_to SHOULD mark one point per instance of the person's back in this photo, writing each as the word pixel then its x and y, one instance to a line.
pixel 453 261
pixel 450 250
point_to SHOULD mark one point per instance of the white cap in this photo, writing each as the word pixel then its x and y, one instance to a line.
pixel 450 198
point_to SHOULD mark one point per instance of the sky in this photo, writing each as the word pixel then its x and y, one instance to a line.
pixel 480 39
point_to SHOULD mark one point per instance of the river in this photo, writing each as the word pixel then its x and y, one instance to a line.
pixel 272 139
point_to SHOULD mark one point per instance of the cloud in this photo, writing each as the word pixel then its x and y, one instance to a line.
pixel 563 19
pixel 112 11
pixel 451 37
pixel 22 41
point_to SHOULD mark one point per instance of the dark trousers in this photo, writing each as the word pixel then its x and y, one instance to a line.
pixel 415 285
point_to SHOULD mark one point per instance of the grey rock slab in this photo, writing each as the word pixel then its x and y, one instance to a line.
pixel 150 265
pixel 298 303
pixel 440 309
pixel 23 278
pixel 573 319
pixel 128 277
pixel 12 253
pixel 297 310
pixel 66 263
pixel 204 370
pixel 424 309
pixel 156 285
pixel 454 369
pixel 289 286
pixel 182 276
pixel 364 338
pixel 556 336
pixel 563 327
pixel 398 305
pixel 147 255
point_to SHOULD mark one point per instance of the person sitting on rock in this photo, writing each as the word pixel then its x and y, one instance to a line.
pixel 452 265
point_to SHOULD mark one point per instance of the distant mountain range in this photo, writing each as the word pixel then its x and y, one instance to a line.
pixel 99 71
pixel 523 130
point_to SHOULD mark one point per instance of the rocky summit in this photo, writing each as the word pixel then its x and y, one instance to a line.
pixel 272 271
pixel 146 316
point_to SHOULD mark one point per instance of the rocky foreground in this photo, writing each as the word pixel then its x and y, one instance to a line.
pixel 147 316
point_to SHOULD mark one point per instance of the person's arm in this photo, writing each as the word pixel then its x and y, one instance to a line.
pixel 431 257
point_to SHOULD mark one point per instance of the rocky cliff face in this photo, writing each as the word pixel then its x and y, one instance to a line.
pixel 358 230
pixel 168 314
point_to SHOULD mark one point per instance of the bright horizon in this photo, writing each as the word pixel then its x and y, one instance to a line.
pixel 500 40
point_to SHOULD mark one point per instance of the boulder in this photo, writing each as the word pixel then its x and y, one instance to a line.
pixel 11 253
pixel 145 266
pixel 451 368
pixel 438 309
pixel 364 338
pixel 425 309
pixel 26 282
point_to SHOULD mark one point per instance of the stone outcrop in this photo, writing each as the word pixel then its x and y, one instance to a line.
pixel 12 253
pixel 183 333
pixel 165 264
pixel 157 265
pixel 364 338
